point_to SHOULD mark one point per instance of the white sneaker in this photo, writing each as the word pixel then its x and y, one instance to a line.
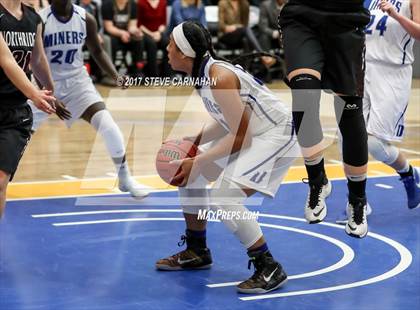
pixel 342 219
pixel 130 185
pixel 315 207
pixel 357 225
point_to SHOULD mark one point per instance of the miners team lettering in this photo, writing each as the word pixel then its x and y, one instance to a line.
pixel 63 38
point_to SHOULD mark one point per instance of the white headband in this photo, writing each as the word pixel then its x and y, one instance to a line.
pixel 182 42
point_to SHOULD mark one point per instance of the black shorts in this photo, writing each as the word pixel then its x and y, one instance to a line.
pixel 15 133
pixel 332 43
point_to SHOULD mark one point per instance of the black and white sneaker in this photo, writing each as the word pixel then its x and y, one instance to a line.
pixel 189 259
pixel 315 207
pixel 357 225
pixel 268 276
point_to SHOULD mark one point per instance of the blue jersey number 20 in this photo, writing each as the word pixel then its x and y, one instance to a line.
pixel 57 56
pixel 380 26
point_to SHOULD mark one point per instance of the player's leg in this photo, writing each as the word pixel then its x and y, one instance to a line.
pixel 4 181
pixel 195 203
pixel 345 76
pixel 100 118
pixel 390 155
pixel 349 112
pixel 228 199
pixel 305 60
pixel 15 134
pixel 386 124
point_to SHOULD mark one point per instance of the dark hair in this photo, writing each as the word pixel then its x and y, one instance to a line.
pixel 200 40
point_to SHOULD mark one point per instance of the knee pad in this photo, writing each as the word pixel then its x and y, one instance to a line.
pixel 382 150
pixel 349 114
pixel 306 93
pixel 105 125
pixel 194 198
pixel 228 202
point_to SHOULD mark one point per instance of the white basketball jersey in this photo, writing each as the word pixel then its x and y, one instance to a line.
pixel 63 42
pixel 267 110
pixel 386 39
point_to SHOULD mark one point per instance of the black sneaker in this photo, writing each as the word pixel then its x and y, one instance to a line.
pixel 189 259
pixel 315 206
pixel 268 276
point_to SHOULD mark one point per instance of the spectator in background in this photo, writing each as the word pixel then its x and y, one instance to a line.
pixel 269 35
pixel 92 7
pixel 151 20
pixel 120 23
pixel 233 28
pixel 183 10
pixel 37 4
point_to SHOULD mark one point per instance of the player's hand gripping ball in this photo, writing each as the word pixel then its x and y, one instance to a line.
pixel 173 150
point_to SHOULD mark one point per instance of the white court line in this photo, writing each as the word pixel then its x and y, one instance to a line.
pixel 409 151
pixel 384 186
pixel 377 172
pixel 151 190
pixel 111 174
pixel 143 219
pixel 405 261
pixel 103 212
pixel 348 256
pixel 334 161
pixel 68 177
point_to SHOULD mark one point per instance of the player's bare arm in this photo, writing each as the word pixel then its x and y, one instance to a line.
pixel 226 93
pixel 95 48
pixel 211 131
pixel 411 26
pixel 41 98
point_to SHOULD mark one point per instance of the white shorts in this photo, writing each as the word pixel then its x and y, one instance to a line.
pixel 387 92
pixel 263 166
pixel 77 93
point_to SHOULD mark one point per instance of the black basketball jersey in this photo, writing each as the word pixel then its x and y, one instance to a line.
pixel 20 37
pixel 333 5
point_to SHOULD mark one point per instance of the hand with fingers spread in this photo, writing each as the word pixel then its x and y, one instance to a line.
pixel 189 171
pixel 61 110
pixel 44 101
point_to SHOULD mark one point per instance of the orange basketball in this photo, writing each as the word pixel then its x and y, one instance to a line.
pixel 173 150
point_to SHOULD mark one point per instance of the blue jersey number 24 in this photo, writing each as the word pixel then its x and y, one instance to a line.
pixel 380 26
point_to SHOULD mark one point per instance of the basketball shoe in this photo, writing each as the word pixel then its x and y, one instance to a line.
pixel 316 208
pixel 268 276
pixel 128 184
pixel 193 257
pixel 356 225
pixel 412 187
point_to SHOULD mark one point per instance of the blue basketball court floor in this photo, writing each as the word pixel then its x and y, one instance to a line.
pixel 87 253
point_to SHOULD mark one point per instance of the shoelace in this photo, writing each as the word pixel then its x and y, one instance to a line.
pixel 358 212
pixel 314 194
pixel 257 271
pixel 183 240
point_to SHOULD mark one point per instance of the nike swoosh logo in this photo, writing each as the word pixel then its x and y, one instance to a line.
pixel 317 214
pixel 1 15
pixel 353 229
pixel 267 279
pixel 186 261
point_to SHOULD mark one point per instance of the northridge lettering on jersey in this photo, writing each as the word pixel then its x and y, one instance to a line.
pixel 14 38
pixel 64 37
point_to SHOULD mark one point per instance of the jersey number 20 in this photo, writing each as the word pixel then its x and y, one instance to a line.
pixel 57 56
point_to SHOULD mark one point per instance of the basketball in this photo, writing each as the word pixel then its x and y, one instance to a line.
pixel 173 150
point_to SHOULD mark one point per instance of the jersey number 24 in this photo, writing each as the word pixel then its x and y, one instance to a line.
pixel 380 26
